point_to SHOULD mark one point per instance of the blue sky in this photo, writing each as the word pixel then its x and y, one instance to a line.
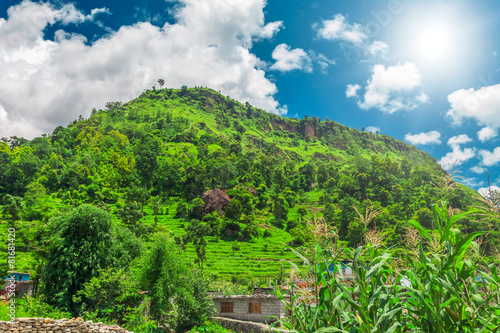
pixel 427 72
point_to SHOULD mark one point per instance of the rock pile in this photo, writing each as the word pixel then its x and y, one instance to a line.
pixel 46 325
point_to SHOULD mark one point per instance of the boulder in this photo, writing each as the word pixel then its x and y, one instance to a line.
pixel 215 200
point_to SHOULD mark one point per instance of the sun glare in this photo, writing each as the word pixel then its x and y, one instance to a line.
pixel 434 43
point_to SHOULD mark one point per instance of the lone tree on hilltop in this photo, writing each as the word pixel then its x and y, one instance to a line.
pixel 161 82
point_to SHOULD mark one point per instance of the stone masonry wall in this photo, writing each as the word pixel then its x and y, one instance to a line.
pixel 240 326
pixel 42 325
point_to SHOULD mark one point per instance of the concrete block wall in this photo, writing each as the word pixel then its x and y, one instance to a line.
pixel 46 325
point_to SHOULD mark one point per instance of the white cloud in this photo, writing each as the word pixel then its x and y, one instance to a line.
pixel 288 59
pixel 321 60
pixel 457 157
pixel 456 141
pixel 490 158
pixel 352 90
pixel 57 80
pixel 482 105
pixel 377 47
pixel 271 29
pixel 477 169
pixel 422 98
pixel 340 29
pixel 429 138
pixel 485 191
pixel 390 89
pixel 373 129
pixel 471 182
pixel 486 133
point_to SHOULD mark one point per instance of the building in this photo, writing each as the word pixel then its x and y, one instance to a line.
pixel 256 308
pixel 18 276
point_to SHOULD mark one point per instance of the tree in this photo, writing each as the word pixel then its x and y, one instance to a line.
pixel 235 246
pixel 80 246
pixel 280 209
pixel 195 233
pixel 13 206
pixel 161 82
pixel 234 210
pixel 196 207
pixel 130 214
pixel 156 205
pixel 173 285
pixel 138 194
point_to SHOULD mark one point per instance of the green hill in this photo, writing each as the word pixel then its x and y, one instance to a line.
pixel 149 160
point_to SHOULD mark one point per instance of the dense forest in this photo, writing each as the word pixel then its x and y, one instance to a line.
pixel 141 168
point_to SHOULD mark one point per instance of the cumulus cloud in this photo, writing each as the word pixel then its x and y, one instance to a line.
pixel 429 138
pixel 271 29
pixel 457 157
pixel 485 191
pixel 373 129
pixel 352 90
pixel 486 133
pixel 339 29
pixel 482 105
pixel 288 59
pixel 377 47
pixel 44 83
pixel 456 141
pixel 490 158
pixel 477 169
pixel 393 88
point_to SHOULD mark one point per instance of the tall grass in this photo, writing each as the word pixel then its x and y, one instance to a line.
pixel 444 285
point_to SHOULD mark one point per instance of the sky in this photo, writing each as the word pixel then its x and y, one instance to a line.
pixel 426 72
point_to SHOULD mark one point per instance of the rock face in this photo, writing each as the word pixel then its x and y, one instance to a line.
pixel 215 200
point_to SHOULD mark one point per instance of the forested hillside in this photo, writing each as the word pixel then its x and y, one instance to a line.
pixel 149 161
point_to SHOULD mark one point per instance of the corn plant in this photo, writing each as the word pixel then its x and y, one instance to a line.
pixel 451 293
pixel 441 289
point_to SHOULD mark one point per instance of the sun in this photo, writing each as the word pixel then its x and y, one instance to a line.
pixel 434 43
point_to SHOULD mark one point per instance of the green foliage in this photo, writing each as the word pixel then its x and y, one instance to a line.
pixel 445 286
pixel 234 210
pixel 209 327
pixel 34 307
pixel 280 209
pixel 196 207
pixel 13 206
pixel 109 296
pixel 80 246
pixel 178 296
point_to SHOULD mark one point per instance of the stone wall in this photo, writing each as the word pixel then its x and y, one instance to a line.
pixel 244 326
pixel 24 288
pixel 78 325
pixel 271 306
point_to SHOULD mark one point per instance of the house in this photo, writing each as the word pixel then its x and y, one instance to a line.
pixel 256 308
pixel 18 276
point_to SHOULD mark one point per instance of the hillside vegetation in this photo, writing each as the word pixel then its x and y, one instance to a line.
pixel 149 160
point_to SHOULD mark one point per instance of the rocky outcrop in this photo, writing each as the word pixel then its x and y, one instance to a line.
pixel 215 200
